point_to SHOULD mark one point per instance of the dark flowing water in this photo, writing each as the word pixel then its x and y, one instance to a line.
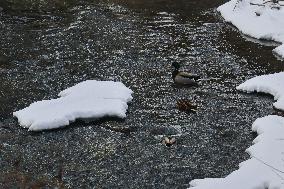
pixel 134 42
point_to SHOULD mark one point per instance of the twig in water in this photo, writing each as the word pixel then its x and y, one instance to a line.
pixel 125 130
pixel 261 5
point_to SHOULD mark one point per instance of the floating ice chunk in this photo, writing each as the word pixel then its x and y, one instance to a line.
pixel 88 99
pixel 262 22
pixel 265 169
pixel 272 84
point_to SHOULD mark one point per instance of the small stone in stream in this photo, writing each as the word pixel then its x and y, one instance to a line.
pixel 278 113
pixel 257 13
pixel 3 59
pixel 169 141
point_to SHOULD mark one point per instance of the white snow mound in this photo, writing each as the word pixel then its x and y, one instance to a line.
pixel 265 21
pixel 88 99
pixel 265 169
pixel 272 84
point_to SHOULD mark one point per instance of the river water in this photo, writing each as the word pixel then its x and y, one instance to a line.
pixel 42 53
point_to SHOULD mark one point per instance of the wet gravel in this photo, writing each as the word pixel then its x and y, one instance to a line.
pixel 133 42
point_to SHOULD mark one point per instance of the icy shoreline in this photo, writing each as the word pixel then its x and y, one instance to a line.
pixel 88 99
pixel 264 21
pixel 265 168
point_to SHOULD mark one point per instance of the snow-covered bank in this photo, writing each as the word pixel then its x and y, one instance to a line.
pixel 263 21
pixel 88 99
pixel 265 169
pixel 272 84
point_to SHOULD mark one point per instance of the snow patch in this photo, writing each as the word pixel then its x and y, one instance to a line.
pixel 265 169
pixel 262 22
pixel 271 84
pixel 88 99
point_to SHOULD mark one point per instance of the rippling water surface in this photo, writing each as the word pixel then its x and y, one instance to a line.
pixel 134 42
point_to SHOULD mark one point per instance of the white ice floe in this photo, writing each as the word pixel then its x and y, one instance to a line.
pixel 272 84
pixel 89 99
pixel 265 168
pixel 262 21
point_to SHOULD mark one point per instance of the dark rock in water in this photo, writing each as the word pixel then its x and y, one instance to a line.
pixel 278 112
pixel 1 9
pixel 4 61
pixel 3 58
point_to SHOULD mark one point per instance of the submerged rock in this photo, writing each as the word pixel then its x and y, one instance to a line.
pixel 4 60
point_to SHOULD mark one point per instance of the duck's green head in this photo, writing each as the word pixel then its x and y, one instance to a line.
pixel 174 74
pixel 176 65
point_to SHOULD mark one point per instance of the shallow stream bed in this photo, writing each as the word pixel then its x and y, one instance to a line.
pixel 134 42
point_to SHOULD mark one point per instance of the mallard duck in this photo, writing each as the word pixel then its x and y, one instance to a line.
pixel 183 78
